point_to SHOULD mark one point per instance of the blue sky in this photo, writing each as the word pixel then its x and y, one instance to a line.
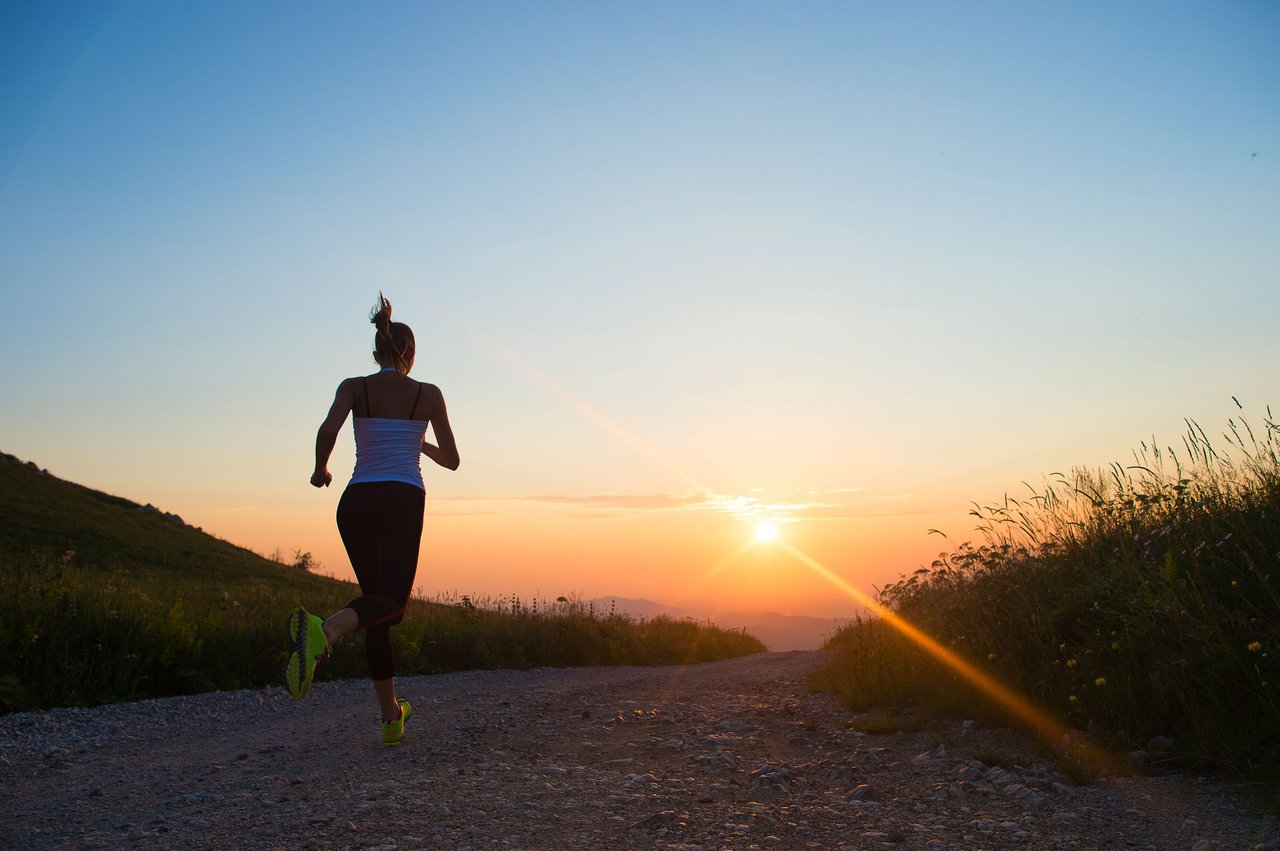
pixel 917 252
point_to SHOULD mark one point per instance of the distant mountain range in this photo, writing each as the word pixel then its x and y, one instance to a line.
pixel 778 632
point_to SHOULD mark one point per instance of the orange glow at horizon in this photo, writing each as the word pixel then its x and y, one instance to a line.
pixel 532 548
pixel 706 576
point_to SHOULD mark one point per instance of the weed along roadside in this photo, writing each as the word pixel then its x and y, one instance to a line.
pixel 1140 602
pixel 116 601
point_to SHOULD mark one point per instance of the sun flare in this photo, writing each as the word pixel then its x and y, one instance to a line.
pixel 766 531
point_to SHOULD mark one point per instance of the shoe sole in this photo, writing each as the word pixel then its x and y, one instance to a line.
pixel 295 669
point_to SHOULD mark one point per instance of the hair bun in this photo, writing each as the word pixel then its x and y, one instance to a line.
pixel 381 314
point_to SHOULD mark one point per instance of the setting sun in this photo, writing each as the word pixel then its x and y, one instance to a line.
pixel 766 532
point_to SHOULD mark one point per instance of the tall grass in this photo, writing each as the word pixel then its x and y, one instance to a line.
pixel 69 636
pixel 1133 601
pixel 105 600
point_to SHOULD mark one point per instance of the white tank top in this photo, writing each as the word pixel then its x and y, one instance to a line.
pixel 389 450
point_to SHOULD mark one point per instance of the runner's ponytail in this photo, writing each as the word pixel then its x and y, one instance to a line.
pixel 393 345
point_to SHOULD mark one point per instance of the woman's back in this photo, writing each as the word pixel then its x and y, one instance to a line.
pixel 390 395
pixel 391 414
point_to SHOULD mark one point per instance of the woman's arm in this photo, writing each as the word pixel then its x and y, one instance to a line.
pixel 327 436
pixel 446 453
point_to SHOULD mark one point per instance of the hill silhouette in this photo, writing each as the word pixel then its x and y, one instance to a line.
pixel 59 519
pixel 778 632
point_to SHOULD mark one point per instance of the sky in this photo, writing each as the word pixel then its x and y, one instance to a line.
pixel 678 268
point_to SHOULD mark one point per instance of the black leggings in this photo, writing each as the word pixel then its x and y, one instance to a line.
pixel 381 527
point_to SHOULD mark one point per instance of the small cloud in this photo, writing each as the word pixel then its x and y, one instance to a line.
pixel 747 507
pixel 644 502
pixel 436 511
pixel 753 508
pixel 847 512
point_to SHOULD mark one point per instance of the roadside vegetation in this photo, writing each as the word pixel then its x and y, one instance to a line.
pixel 103 600
pixel 1139 602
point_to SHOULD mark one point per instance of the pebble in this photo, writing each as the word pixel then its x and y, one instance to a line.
pixel 864 792
pixel 737 755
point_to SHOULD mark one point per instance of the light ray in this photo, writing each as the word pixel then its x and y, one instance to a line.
pixel 1042 722
pixel 547 383
pixel 706 575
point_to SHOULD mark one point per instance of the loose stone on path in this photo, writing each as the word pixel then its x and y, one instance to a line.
pixel 732 755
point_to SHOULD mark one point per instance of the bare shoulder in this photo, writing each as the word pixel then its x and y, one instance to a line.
pixel 347 390
pixel 434 400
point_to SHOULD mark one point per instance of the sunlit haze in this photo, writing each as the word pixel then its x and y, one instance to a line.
pixel 692 277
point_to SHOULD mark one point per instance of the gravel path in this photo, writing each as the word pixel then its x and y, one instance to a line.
pixel 729 754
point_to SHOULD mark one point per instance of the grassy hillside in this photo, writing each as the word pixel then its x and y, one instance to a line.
pixel 1140 603
pixel 63 521
pixel 105 599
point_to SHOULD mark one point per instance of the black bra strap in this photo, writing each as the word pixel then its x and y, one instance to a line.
pixel 365 382
pixel 415 402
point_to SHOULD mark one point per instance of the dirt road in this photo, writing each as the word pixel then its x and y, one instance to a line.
pixel 730 754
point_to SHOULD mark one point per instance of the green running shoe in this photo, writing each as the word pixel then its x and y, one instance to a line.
pixel 310 647
pixel 393 732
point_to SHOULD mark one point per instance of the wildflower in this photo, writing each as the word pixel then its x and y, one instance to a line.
pixel 1100 682
pixel 1115 645
pixel 1072 698
pixel 1255 646
pixel 1071 663
pixel 991 657
pixel 1235 583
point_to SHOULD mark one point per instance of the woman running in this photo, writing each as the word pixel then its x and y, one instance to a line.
pixel 380 513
